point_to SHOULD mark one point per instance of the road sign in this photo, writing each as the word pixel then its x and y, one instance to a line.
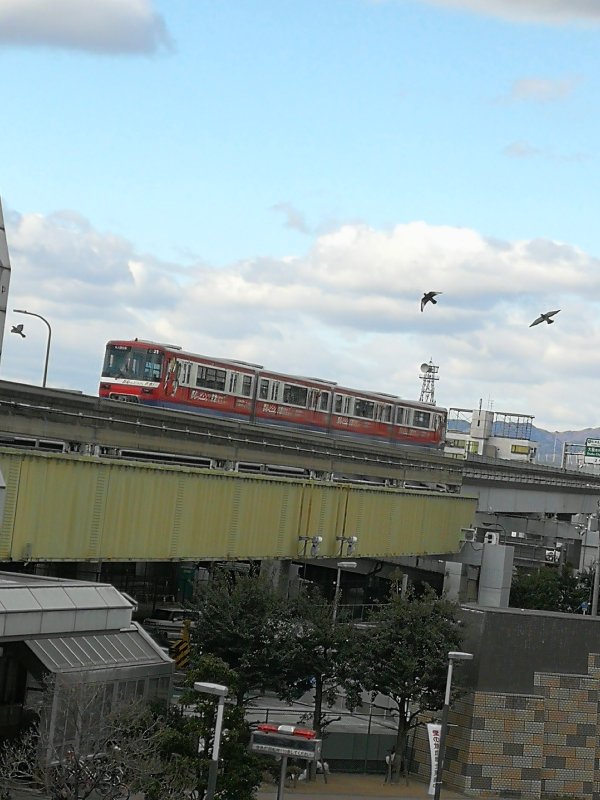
pixel 286 744
pixel 592 449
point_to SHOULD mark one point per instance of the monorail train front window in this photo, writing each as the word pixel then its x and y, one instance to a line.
pixel 421 419
pixel 132 363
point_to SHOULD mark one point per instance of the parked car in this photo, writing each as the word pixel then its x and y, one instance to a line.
pixel 167 621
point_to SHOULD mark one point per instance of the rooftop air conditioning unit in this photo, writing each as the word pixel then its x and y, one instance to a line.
pixel 491 537
pixel 468 534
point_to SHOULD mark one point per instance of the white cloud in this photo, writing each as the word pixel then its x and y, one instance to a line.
pixel 347 310
pixel 542 90
pixel 294 219
pixel 521 149
pixel 96 26
pixel 545 11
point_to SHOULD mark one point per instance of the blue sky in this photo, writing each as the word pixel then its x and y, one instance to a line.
pixel 281 181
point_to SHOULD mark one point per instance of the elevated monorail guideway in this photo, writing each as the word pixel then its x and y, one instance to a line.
pixel 74 422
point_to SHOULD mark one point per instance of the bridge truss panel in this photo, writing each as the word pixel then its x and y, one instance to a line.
pixel 73 507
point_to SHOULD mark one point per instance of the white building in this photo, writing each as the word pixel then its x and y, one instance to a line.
pixel 492 434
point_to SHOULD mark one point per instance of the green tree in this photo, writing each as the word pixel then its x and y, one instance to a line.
pixel 271 643
pixel 403 655
pixel 240 621
pixel 188 738
pixel 318 656
pixel 551 589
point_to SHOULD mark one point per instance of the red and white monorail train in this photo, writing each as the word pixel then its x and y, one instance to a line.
pixel 165 376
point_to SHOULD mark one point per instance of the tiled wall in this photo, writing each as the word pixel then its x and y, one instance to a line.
pixel 524 745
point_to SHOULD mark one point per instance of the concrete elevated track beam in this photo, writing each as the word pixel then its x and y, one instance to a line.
pixel 107 426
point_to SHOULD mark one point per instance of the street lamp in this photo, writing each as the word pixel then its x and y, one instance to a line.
pixel 39 316
pixel 336 597
pixel 453 656
pixel 220 692
pixel 349 541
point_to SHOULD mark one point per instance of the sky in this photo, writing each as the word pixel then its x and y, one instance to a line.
pixel 280 182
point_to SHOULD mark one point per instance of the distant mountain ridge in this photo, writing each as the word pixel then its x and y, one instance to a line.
pixel 550 443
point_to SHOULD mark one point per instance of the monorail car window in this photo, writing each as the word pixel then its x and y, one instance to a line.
pixel 324 403
pixel 233 379
pixel 211 378
pixel 185 373
pixel 364 408
pixel 421 419
pixel 263 389
pixel 401 416
pixel 295 395
pixel 247 385
pixel 275 390
pixel 347 404
pixel 384 413
pixel 338 404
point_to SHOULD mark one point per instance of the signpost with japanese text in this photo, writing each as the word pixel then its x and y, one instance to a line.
pixel 592 451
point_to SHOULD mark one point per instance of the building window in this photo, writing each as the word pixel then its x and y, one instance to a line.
pixel 458 443
pixel 520 449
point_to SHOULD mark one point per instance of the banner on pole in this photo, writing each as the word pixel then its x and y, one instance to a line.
pixel 434 731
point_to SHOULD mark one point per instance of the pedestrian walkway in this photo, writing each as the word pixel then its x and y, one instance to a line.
pixel 343 786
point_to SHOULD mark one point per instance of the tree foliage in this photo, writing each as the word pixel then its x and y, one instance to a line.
pixel 240 620
pixel 403 655
pixel 551 589
pixel 188 741
pixel 319 653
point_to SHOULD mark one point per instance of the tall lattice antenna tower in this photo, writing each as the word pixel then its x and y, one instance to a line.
pixel 429 375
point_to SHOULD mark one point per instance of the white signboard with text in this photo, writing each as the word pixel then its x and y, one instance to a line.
pixel 434 731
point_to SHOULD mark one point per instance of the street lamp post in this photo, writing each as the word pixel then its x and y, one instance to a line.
pixel 39 316
pixel 452 657
pixel 336 597
pixel 220 692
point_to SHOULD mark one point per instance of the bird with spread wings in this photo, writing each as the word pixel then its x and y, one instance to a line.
pixel 545 317
pixel 429 297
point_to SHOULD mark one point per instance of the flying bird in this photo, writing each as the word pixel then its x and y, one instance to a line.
pixel 545 318
pixel 18 329
pixel 428 297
